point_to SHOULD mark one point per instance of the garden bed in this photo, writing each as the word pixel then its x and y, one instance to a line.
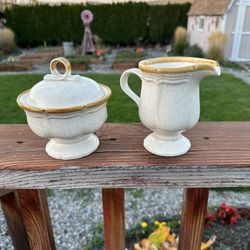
pixel 80 63
pixel 228 237
pixel 39 58
pixel 126 59
pixel 15 66
pixel 124 65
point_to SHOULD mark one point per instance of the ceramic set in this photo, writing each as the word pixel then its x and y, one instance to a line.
pixel 68 109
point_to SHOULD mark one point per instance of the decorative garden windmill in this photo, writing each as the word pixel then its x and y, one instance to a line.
pixel 87 42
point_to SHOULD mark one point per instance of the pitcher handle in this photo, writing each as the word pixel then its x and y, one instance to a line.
pixel 125 87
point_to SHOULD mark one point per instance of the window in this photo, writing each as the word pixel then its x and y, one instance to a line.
pixel 217 22
pixel 201 23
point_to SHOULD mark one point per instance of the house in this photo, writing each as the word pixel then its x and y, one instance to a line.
pixel 229 16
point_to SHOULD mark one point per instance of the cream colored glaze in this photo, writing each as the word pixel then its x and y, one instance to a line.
pixel 169 102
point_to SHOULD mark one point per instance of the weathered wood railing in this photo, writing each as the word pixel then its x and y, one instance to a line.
pixel 220 157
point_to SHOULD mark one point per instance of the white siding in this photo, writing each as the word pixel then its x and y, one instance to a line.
pixel 196 36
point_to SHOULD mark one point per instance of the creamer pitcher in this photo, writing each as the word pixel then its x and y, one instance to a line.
pixel 169 103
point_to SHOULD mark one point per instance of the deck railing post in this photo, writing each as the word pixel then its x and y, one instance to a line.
pixel 14 220
pixel 36 218
pixel 193 218
pixel 113 213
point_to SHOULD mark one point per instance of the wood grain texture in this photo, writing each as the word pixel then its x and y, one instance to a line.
pixel 13 217
pixel 193 218
pixel 220 156
pixel 114 217
pixel 35 213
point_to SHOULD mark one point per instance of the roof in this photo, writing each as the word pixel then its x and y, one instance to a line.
pixel 93 1
pixel 208 8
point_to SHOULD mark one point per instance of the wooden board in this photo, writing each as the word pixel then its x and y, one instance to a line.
pixel 114 218
pixel 14 220
pixel 3 192
pixel 194 209
pixel 219 157
pixel 36 218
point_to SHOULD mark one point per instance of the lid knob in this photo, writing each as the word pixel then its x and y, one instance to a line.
pixel 54 65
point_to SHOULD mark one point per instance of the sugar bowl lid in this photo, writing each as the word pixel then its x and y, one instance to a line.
pixel 59 92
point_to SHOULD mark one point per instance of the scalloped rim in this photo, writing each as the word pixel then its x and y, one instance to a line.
pixel 198 65
pixel 30 108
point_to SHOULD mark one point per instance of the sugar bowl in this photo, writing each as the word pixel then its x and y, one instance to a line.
pixel 67 109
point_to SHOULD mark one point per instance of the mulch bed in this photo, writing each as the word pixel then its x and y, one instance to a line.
pixel 15 66
pixel 235 237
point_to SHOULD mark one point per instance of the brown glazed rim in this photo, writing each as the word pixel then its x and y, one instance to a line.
pixel 64 110
pixel 199 64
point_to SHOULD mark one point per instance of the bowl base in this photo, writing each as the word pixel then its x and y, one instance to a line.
pixel 161 145
pixel 69 149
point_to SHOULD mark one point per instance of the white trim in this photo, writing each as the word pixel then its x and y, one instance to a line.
pixel 223 22
pixel 242 33
pixel 230 6
pixel 238 59
pixel 238 31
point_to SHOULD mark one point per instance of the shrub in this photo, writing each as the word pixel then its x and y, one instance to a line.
pixel 80 59
pixel 7 40
pixel 227 214
pixel 124 24
pixel 210 218
pixel 193 51
pixel 125 54
pixel 163 20
pixel 180 40
pixel 113 23
pixel 216 45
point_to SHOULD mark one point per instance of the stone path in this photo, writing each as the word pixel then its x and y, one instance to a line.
pixel 241 74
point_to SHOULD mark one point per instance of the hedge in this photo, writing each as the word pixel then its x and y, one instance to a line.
pixel 123 24
pixel 165 19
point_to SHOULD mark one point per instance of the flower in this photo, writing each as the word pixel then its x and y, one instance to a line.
pixel 139 50
pixel 157 223
pixel 210 218
pixel 233 220
pixel 100 52
pixel 144 224
pixel 227 214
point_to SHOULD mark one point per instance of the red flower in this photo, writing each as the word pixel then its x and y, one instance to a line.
pixel 221 214
pixel 209 218
pixel 100 52
pixel 233 220
pixel 223 205
pixel 227 214
pixel 139 50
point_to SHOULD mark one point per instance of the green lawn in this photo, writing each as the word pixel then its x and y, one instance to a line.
pixel 223 98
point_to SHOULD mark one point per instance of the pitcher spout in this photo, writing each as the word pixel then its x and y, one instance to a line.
pixel 206 68
pixel 216 71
